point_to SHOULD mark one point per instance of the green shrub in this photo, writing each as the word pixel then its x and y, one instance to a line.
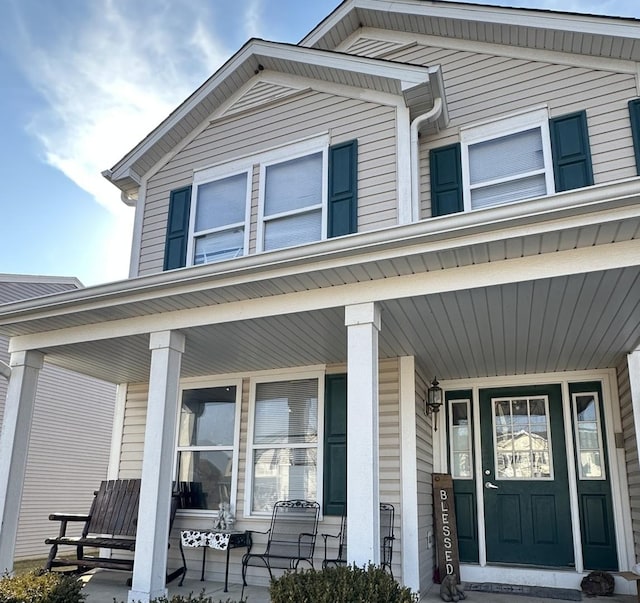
pixel 38 586
pixel 350 584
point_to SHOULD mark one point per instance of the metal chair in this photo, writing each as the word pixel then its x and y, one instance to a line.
pixel 291 537
pixel 387 518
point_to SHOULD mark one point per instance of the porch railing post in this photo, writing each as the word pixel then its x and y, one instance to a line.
pixel 14 445
pixel 363 479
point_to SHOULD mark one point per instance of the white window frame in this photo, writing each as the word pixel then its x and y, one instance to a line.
pixel 319 375
pixel 297 151
pixel 499 128
pixel 574 405
pixel 237 383
pixel 206 177
pixel 467 403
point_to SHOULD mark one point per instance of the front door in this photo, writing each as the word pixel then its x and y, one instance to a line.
pixel 524 476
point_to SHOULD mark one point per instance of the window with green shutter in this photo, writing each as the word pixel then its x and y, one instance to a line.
pixel 521 157
pixel 306 192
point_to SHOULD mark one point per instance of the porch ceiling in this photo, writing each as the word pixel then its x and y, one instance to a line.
pixel 583 321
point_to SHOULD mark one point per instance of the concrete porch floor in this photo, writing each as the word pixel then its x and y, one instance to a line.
pixel 105 586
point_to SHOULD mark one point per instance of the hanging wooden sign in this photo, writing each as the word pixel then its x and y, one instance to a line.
pixel 446 534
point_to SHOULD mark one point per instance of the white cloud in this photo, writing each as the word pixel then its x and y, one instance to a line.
pixel 109 80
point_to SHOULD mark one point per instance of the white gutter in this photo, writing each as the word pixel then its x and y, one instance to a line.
pixel 416 124
pixel 5 370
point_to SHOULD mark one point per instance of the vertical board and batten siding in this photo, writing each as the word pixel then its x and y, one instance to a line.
pixel 424 455
pixel 287 121
pixel 68 451
pixel 630 450
pixel 390 488
pixel 482 86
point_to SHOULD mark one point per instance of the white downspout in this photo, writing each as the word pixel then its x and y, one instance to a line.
pixel 5 370
pixel 416 124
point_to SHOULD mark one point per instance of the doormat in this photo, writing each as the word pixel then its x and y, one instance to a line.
pixel 544 592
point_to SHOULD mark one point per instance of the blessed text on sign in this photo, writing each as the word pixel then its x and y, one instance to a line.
pixel 445 522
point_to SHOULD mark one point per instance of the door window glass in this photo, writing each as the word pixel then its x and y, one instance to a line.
pixel 460 439
pixel 522 439
pixel 586 416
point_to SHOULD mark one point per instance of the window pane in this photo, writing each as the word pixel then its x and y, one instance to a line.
pixel 588 436
pixel 461 464
pixel 522 439
pixel 204 478
pixel 286 412
pixel 221 202
pixel 505 192
pixel 591 465
pixel 208 417
pixel 511 155
pixel 293 184
pixel 294 230
pixel 219 246
pixel 282 474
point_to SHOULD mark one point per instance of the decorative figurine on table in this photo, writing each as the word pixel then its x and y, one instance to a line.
pixel 225 519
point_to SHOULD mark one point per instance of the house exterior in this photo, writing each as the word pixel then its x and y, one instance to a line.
pixel 70 440
pixel 416 189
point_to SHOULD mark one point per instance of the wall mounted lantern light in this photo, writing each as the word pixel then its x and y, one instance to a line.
pixel 434 399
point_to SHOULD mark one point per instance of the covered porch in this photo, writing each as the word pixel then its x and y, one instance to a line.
pixel 476 306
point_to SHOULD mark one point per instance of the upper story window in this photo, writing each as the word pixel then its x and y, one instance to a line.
pixel 507 161
pixel 207 448
pixel 306 192
pixel 220 219
pixel 293 202
pixel 515 158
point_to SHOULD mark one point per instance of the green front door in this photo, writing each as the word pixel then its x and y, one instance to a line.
pixel 524 476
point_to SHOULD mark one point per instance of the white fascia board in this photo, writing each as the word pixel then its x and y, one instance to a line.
pixel 571 209
pixel 409 74
pixel 491 15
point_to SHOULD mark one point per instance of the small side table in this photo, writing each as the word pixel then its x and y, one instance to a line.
pixel 217 540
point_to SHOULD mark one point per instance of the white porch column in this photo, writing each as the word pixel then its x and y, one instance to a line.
pixel 14 445
pixel 150 566
pixel 363 480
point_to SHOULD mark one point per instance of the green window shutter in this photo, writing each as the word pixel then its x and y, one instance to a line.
pixel 343 189
pixel 570 150
pixel 634 115
pixel 175 251
pixel 446 180
pixel 335 445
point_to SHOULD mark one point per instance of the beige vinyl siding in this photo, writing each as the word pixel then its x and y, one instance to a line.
pixel 304 115
pixel 630 450
pixel 424 453
pixel 69 443
pixel 390 446
pixel 135 418
pixel 483 86
pixel 131 466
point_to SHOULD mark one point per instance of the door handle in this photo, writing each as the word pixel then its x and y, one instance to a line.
pixel 490 486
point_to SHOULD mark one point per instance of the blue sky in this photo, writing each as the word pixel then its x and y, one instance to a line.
pixel 84 80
